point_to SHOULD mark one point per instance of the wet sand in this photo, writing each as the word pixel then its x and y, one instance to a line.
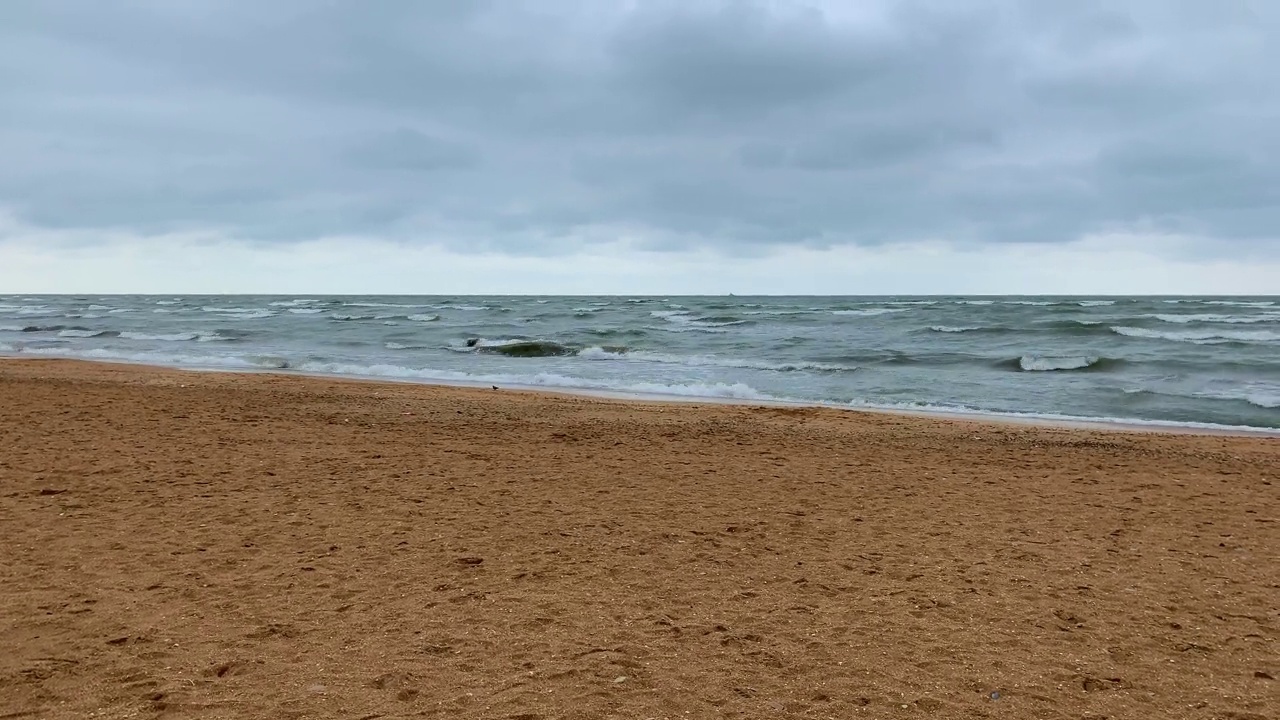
pixel 213 545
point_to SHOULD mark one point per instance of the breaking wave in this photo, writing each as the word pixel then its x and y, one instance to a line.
pixel 1067 363
pixel 1201 337
pixel 868 312
pixel 1215 318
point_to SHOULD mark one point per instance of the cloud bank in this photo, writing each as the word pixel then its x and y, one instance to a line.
pixel 706 133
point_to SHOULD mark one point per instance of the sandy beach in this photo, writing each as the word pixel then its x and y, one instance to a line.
pixel 210 545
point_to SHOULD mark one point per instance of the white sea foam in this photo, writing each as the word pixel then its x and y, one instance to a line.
pixel 246 362
pixel 424 318
pixel 1263 395
pixel 241 313
pixel 974 302
pixel 345 316
pixel 643 356
pixel 76 333
pixel 1096 303
pixel 1242 303
pixel 1201 337
pixel 384 305
pixel 1037 303
pixel 1214 318
pixel 1037 363
pixel 176 337
pixel 305 310
pixel 953 329
pixel 684 319
pixel 868 312
pixel 736 391
pixel 163 337
pixel 396 346
pixel 964 410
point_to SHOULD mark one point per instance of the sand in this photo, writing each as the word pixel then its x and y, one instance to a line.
pixel 207 545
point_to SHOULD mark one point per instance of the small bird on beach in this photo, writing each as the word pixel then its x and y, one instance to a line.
pixel 495 387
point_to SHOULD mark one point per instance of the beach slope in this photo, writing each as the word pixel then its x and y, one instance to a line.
pixel 180 544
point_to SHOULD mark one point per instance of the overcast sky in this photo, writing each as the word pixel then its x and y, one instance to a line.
pixel 914 146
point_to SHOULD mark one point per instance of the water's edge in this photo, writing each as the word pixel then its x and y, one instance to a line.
pixel 1065 422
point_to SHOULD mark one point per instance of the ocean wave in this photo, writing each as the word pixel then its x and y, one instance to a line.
pixel 176 337
pixel 385 305
pixel 343 317
pixel 1035 303
pixel 615 332
pixel 292 303
pixel 868 312
pixel 527 349
pixel 38 328
pixel 515 347
pixel 1200 337
pixel 423 317
pixel 1242 303
pixel 683 318
pixel 1049 363
pixel 172 302
pixel 1096 303
pixel 930 408
pixel 955 329
pixel 713 390
pixel 1263 395
pixel 690 329
pixel 975 302
pixel 241 313
pixel 1215 318
pixel 305 310
pixel 644 356
pixel 244 362
pixel 84 333
pixel 464 308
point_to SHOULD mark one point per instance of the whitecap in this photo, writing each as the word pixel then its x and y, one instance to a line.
pixel 868 312
pixel 1200 337
pixel 1038 363
pixel 1214 318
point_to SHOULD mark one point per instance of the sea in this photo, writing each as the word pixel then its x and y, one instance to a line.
pixel 1198 362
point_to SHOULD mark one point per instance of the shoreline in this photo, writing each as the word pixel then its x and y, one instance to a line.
pixel 1117 425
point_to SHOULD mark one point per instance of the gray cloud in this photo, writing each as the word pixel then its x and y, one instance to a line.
pixel 532 128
